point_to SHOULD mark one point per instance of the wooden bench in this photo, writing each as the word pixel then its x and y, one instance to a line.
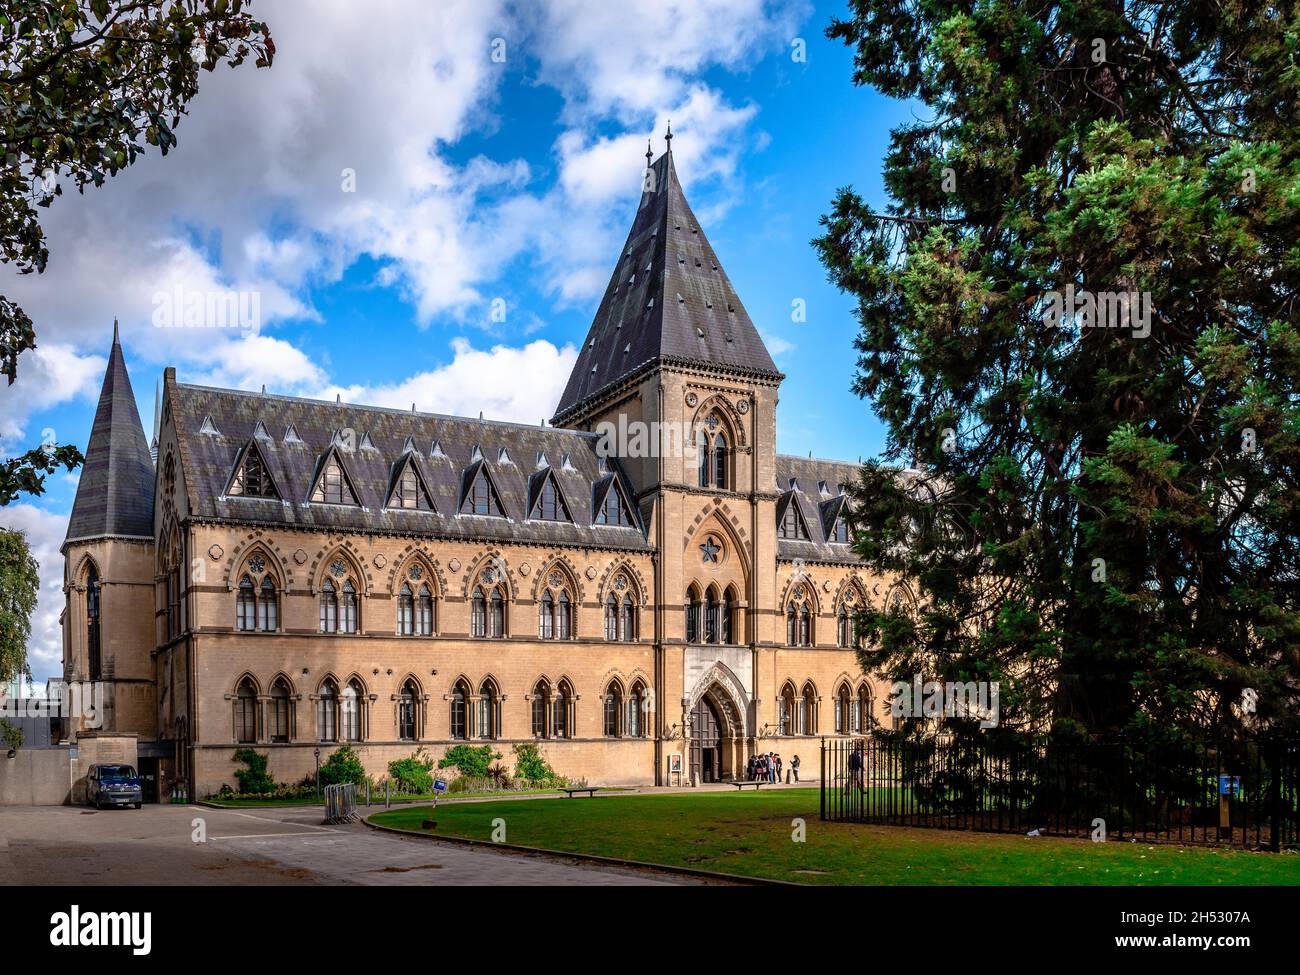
pixel 590 790
pixel 741 783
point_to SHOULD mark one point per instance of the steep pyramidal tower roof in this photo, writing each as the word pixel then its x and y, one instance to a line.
pixel 669 300
pixel 115 494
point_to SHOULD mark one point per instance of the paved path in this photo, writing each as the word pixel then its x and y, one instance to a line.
pixel 155 845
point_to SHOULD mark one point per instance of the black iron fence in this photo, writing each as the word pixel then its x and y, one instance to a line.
pixel 1239 792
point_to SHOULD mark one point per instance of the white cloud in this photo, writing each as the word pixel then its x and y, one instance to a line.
pixel 45 532
pixel 776 345
pixel 259 360
pixel 49 375
pixel 504 382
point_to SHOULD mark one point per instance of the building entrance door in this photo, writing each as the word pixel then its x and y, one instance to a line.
pixel 706 739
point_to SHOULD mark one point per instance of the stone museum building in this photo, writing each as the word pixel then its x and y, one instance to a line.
pixel 644 586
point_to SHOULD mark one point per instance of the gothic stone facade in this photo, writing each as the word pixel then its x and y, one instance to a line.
pixel 651 607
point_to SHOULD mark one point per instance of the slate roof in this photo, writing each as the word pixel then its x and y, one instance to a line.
pixel 814 486
pixel 380 438
pixel 115 493
pixel 668 299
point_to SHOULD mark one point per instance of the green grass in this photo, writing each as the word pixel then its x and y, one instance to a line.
pixel 750 834
pixel 377 798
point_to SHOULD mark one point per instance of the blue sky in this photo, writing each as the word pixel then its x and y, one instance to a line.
pixel 476 178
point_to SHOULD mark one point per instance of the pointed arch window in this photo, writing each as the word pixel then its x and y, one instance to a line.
pixel 354 706
pixel 862 713
pixel 613 710
pixel 94 657
pixel 257 605
pixel 843 709
pixel 846 637
pixel 692 615
pixel 555 610
pixel 711 616
pixel 720 461
pixel 327 708
pixel 798 619
pixel 702 452
pixel 246 713
pixel 496 613
pixel 246 605
pixel 268 606
pixel 611 618
pixel 407 704
pixel 171 565
pixel 280 712
pixel 546 620
pixel 628 619
pixel 788 710
pixel 460 711
pixel 424 611
pixel 348 608
pixel 727 622
pixel 636 704
pixel 562 711
pixel 489 711
pixel 406 610
pixel 541 705
pixel 329 608
pixel 478 613
pixel 808 711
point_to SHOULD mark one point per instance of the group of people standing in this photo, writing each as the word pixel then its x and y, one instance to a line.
pixel 768 768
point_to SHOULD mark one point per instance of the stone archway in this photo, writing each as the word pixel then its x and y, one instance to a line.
pixel 716 723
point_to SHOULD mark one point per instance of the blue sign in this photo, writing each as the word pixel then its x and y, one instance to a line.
pixel 1229 785
pixel 439 785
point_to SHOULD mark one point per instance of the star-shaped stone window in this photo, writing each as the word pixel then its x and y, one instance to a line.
pixel 711 549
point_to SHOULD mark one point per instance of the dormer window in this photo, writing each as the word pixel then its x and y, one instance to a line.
pixel 612 511
pixel 333 486
pixel 480 496
pixel 549 505
pixel 251 478
pixel 792 524
pixel 409 491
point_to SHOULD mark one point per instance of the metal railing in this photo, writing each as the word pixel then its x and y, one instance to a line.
pixel 1238 792
pixel 341 803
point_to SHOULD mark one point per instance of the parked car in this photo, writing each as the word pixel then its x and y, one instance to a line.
pixel 113 785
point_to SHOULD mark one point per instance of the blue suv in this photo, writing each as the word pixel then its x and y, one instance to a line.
pixel 113 785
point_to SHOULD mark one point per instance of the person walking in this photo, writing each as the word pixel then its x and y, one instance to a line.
pixel 794 768
pixel 855 769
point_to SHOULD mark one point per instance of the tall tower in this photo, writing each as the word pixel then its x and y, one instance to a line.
pixel 108 577
pixel 674 372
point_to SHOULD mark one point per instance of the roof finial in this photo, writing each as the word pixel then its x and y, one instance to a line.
pixel 649 154
pixel 116 340
pixel 668 136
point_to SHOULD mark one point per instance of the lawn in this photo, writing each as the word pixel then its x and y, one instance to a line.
pixel 377 799
pixel 750 834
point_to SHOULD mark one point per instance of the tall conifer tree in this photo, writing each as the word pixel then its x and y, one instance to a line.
pixel 1105 513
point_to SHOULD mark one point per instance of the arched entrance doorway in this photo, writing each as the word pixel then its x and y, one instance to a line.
pixel 706 741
